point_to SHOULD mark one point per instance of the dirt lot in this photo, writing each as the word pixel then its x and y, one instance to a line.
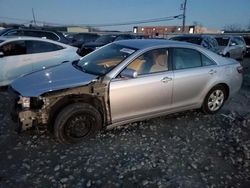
pixel 188 149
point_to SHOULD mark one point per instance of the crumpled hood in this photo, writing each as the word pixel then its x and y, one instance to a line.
pixel 63 76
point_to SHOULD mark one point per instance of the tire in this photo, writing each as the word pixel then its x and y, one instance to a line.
pixel 214 100
pixel 77 122
pixel 242 56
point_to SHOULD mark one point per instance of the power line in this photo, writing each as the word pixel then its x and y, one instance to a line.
pixel 169 18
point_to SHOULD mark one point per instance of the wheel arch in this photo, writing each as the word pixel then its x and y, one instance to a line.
pixel 70 99
pixel 224 85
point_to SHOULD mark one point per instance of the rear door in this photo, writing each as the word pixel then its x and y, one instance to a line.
pixel 193 72
pixel 149 93
pixel 45 54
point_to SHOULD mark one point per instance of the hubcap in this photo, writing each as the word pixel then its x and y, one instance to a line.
pixel 215 100
pixel 78 126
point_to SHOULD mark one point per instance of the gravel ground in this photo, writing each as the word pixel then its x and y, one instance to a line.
pixel 187 149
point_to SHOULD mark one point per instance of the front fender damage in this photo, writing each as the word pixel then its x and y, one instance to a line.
pixel 40 117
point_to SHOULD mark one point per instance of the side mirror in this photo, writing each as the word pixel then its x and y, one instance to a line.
pixel 1 54
pixel 129 73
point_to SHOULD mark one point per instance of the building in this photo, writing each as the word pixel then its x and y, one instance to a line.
pixel 76 29
pixel 163 31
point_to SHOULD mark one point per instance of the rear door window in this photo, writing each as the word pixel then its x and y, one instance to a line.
pixel 41 47
pixel 184 58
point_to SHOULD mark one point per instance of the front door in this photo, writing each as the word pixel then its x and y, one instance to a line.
pixel 149 93
pixel 15 62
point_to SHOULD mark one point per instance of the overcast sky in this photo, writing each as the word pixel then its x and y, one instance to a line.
pixel 210 13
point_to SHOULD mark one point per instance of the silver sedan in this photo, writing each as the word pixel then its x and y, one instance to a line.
pixel 123 82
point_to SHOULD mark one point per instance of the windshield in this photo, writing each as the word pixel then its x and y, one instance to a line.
pixel 222 41
pixel 106 39
pixel 194 40
pixel 3 31
pixel 101 61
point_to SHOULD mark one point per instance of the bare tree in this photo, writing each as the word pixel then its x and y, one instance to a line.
pixel 233 27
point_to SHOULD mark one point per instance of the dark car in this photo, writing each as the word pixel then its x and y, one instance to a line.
pixel 206 41
pixel 78 39
pixel 52 35
pixel 247 41
pixel 101 41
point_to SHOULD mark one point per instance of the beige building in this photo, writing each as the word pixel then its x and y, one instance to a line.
pixel 75 29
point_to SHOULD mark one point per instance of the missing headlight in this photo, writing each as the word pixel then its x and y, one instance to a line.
pixel 36 103
pixel 24 102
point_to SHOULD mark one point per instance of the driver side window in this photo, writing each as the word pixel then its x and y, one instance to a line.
pixel 14 48
pixel 151 62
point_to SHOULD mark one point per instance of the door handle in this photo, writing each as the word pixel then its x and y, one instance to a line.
pixel 212 71
pixel 166 79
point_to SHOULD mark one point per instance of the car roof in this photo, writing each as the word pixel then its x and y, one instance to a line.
pixel 15 38
pixel 146 43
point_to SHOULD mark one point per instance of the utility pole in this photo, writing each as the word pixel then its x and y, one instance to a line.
pixel 34 19
pixel 184 5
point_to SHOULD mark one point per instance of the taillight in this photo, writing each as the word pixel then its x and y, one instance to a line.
pixel 240 69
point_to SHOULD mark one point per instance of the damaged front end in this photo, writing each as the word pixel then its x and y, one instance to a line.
pixel 27 111
pixel 37 112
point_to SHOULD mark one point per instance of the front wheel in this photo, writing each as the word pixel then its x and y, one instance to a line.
pixel 214 100
pixel 77 122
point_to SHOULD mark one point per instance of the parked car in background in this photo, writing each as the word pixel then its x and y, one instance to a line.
pixel 78 39
pixel 52 35
pixel 101 41
pixel 247 41
pixel 232 46
pixel 23 55
pixel 205 41
pixel 123 82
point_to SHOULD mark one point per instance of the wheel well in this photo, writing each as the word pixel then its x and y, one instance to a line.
pixel 63 102
pixel 226 87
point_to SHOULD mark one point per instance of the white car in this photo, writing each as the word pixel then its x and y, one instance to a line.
pixel 23 55
pixel 232 46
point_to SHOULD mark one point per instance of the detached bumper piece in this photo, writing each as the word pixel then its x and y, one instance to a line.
pixel 26 120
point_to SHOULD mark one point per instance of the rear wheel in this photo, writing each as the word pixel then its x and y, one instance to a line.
pixel 77 122
pixel 214 100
